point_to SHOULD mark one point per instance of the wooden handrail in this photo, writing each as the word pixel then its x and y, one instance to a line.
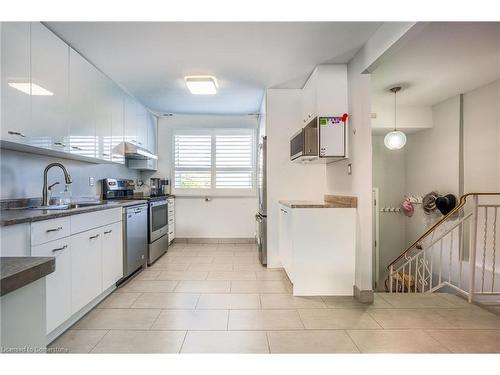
pixel 461 203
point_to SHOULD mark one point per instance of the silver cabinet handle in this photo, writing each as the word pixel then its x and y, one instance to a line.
pixel 76 148
pixel 108 231
pixel 93 237
pixel 11 132
pixel 104 154
pixel 60 248
pixel 54 229
pixel 284 211
pixel 60 144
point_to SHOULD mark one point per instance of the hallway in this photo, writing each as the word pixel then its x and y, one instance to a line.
pixel 217 298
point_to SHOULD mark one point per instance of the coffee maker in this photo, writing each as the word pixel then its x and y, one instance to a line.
pixel 159 187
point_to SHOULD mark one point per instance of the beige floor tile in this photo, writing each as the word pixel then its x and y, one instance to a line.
pixel 473 318
pixel 287 301
pixel 335 341
pixel 76 341
pixel 348 302
pixel 118 319
pixel 468 341
pixel 231 275
pixel 259 287
pixel 264 320
pixel 147 274
pixel 228 301
pixel 456 300
pixel 170 267
pixel 119 301
pixel 141 342
pixel 211 286
pixel 397 341
pixel 409 318
pixel 175 249
pixel 246 253
pixel 225 342
pixel 210 267
pixel 419 301
pixel 250 267
pixel 337 319
pixel 182 275
pixel 192 320
pixel 200 247
pixel 271 276
pixel 216 253
pixel 166 301
pixel 236 260
pixel 190 260
pixel 149 286
pixel 176 246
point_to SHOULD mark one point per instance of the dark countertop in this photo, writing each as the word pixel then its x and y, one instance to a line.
pixel 16 272
pixel 307 204
pixel 18 216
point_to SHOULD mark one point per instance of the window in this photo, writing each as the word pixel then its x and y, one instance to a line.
pixel 214 162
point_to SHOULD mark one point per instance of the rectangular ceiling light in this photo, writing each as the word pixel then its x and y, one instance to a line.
pixel 31 89
pixel 201 85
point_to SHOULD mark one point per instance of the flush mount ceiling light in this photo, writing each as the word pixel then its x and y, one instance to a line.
pixel 201 85
pixel 30 89
pixel 396 139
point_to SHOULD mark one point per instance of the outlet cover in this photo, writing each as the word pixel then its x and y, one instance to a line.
pixel 91 181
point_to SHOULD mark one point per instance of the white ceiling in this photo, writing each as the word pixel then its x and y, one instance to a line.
pixel 151 59
pixel 442 60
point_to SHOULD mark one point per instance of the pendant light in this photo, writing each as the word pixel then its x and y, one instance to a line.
pixel 396 139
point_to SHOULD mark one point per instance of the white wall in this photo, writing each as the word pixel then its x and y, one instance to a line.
pixel 286 179
pixel 409 118
pixel 433 161
pixel 222 217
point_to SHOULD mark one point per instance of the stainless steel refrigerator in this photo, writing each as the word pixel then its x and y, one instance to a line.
pixel 261 216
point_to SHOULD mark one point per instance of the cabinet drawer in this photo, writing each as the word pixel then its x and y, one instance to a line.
pixel 49 230
pixel 83 222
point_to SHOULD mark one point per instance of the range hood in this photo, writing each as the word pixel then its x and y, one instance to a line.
pixel 132 151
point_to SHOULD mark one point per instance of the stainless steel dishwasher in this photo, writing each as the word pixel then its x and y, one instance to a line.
pixel 135 238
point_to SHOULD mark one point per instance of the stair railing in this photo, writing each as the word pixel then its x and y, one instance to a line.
pixel 438 259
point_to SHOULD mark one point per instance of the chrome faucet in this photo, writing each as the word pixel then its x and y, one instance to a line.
pixel 45 191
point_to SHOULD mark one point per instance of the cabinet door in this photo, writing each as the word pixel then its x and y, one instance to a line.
pixel 104 115
pixel 112 254
pixel 82 81
pixel 49 97
pixel 286 240
pixel 142 126
pixel 117 127
pixel 58 283
pixel 16 80
pixel 152 133
pixel 309 99
pixel 86 268
pixel 130 120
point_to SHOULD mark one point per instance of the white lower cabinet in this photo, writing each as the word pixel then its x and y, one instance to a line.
pixel 86 268
pixel 58 283
pixel 112 254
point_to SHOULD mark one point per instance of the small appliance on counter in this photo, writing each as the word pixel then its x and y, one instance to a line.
pixel 159 187
pixel 156 231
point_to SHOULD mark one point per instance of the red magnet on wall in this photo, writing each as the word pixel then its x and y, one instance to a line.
pixel 344 117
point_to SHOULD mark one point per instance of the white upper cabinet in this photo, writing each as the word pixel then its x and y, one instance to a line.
pixel 53 98
pixel 130 120
pixel 325 92
pixel 83 82
pixel 104 116
pixel 117 124
pixel 49 85
pixel 16 81
pixel 152 133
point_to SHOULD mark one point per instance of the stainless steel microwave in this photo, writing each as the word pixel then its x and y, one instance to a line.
pixel 322 139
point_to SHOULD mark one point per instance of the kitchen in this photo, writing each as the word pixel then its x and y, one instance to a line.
pixel 152 206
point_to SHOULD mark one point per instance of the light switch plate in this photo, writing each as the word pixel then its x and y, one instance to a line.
pixel 349 169
pixel 91 181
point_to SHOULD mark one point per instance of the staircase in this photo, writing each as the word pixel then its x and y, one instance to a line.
pixel 458 252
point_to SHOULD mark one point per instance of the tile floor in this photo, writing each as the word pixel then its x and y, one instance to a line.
pixel 201 298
